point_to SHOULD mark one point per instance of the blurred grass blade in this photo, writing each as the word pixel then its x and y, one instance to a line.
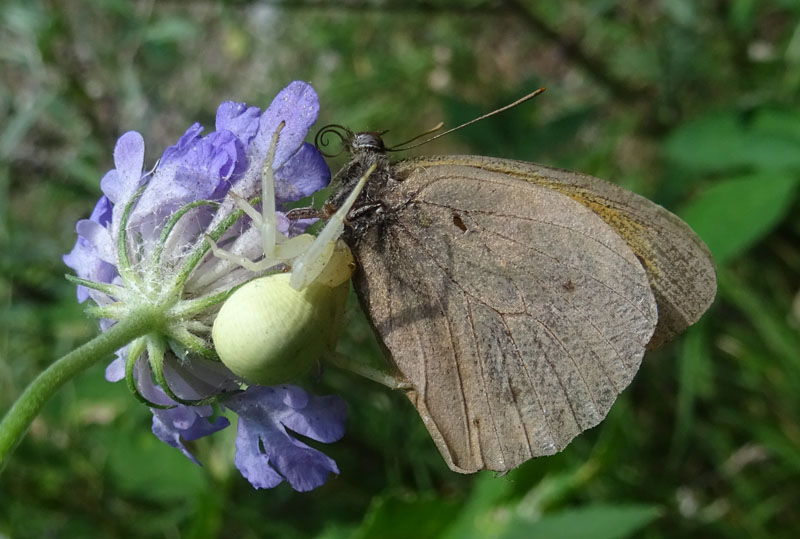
pixel 695 377
pixel 597 522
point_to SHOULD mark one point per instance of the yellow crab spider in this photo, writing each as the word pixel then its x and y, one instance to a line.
pixel 277 248
pixel 275 327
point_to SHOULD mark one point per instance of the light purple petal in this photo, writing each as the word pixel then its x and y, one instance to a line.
pixel 199 378
pixel 299 226
pixel 87 265
pixel 239 119
pixel 179 423
pixel 264 414
pixel 251 461
pixel 116 369
pixel 84 257
pixel 298 106
pixel 196 169
pixel 179 149
pixel 282 223
pixel 101 213
pixel 129 161
pixel 323 419
pixel 184 423
pixel 303 174
pixel 99 238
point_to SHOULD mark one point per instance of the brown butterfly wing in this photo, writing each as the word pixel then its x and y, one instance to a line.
pixel 678 263
pixel 517 314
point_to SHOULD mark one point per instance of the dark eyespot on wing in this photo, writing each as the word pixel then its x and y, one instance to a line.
pixel 459 222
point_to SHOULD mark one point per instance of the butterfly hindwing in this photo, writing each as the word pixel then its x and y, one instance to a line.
pixel 517 314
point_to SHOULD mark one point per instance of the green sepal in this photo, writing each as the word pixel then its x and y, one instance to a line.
pixel 184 343
pixel 189 308
pixel 115 311
pixel 124 266
pixel 156 348
pixel 135 350
pixel 167 230
pixel 112 290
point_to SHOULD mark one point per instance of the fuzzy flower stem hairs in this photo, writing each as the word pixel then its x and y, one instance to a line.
pixel 180 265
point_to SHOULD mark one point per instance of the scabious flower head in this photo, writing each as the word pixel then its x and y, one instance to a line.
pixel 145 244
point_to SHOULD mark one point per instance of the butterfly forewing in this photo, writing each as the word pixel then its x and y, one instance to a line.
pixel 678 263
pixel 517 314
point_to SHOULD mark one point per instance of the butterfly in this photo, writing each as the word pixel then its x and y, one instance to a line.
pixel 516 300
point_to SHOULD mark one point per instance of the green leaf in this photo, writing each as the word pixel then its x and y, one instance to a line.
pixel 734 214
pixel 476 519
pixel 597 522
pixel 146 467
pixel 727 140
pixel 712 142
pixel 408 515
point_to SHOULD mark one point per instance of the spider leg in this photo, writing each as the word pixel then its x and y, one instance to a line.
pixel 308 266
pixel 264 221
pixel 256 267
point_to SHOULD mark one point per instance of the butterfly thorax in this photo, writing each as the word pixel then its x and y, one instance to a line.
pixel 366 149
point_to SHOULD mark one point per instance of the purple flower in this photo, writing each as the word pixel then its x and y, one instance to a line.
pixel 145 243
pixel 266 453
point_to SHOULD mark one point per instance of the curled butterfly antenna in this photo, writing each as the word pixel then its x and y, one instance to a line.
pixel 344 134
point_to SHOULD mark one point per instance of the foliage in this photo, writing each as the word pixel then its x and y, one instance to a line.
pixel 692 104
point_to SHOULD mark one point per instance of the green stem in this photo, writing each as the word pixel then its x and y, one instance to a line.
pixel 16 422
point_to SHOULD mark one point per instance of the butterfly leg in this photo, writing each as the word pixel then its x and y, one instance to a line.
pixel 392 380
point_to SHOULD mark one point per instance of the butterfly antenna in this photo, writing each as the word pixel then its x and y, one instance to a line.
pixel 342 133
pixel 428 132
pixel 401 147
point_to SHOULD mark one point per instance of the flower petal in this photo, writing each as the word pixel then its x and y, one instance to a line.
pixel 119 184
pixel 303 174
pixel 101 213
pixel 195 169
pixel 98 237
pixel 298 106
pixel 239 119
pixel 323 419
pixel 116 369
pixel 264 414
pixel 184 423
pixel 198 378
pixel 251 461
pixel 174 425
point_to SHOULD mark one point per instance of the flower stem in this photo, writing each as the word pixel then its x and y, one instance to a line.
pixel 16 422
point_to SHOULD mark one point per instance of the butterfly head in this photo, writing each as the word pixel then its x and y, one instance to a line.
pixel 353 143
pixel 369 141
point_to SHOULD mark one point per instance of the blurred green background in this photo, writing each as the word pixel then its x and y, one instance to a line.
pixel 693 104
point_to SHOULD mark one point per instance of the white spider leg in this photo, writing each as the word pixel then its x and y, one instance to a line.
pixel 310 264
pixel 256 267
pixel 265 222
pixel 269 227
pixel 249 210
pixel 291 248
